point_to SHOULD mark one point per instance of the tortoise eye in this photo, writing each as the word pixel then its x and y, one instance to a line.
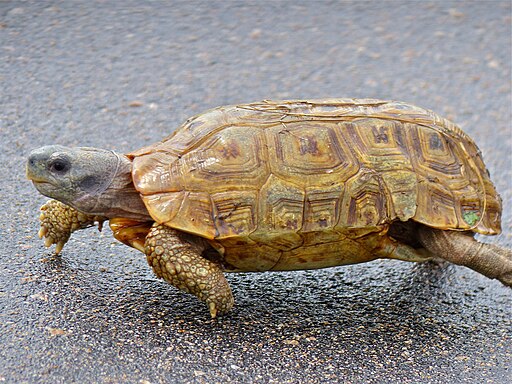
pixel 60 165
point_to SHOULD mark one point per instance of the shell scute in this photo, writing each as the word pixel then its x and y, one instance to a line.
pixel 310 154
pixel 322 208
pixel 235 214
pixel 280 214
pixel 279 176
pixel 232 159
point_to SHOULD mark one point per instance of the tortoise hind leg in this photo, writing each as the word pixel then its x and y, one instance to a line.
pixel 176 258
pixel 462 249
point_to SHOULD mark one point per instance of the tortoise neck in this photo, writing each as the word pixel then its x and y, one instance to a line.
pixel 121 199
pixel 118 197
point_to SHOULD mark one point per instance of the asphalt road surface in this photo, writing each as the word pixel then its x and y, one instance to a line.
pixel 123 74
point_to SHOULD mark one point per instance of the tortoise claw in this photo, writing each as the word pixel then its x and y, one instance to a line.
pixel 42 232
pixel 48 242
pixel 59 247
pixel 213 310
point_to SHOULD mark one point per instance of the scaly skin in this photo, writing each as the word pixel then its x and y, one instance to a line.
pixel 288 185
pixel 180 263
pixel 171 256
pixel 462 249
pixel 59 221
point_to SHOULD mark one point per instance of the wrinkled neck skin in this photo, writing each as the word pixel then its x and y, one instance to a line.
pixel 116 196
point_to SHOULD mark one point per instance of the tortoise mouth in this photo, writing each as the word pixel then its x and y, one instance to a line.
pixel 36 180
pixel 32 175
pixel 39 182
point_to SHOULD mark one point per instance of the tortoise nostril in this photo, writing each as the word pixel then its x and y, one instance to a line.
pixel 32 160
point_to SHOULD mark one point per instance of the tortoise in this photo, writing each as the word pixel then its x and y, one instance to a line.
pixel 280 186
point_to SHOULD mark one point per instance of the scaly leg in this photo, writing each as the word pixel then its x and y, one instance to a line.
pixel 59 221
pixel 462 249
pixel 176 258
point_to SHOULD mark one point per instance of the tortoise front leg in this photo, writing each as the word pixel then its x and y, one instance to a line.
pixel 177 259
pixel 59 221
pixel 462 249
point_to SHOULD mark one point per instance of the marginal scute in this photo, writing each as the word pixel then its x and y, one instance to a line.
pixel 275 184
pixel 364 201
pixel 235 214
pixel 322 208
pixel 187 211
pixel 435 205
pixel 402 187
pixel 195 215
pixel 163 207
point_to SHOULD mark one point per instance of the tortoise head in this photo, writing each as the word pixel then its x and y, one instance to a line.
pixel 84 178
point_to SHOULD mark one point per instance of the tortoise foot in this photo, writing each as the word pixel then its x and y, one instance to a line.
pixel 179 262
pixel 59 221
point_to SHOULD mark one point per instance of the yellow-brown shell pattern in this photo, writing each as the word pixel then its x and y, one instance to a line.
pixel 287 174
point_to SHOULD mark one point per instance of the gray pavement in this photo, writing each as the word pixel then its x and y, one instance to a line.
pixel 123 74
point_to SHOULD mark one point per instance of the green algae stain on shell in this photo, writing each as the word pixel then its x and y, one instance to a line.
pixel 471 218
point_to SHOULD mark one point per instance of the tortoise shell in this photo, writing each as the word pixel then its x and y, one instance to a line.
pixel 276 178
